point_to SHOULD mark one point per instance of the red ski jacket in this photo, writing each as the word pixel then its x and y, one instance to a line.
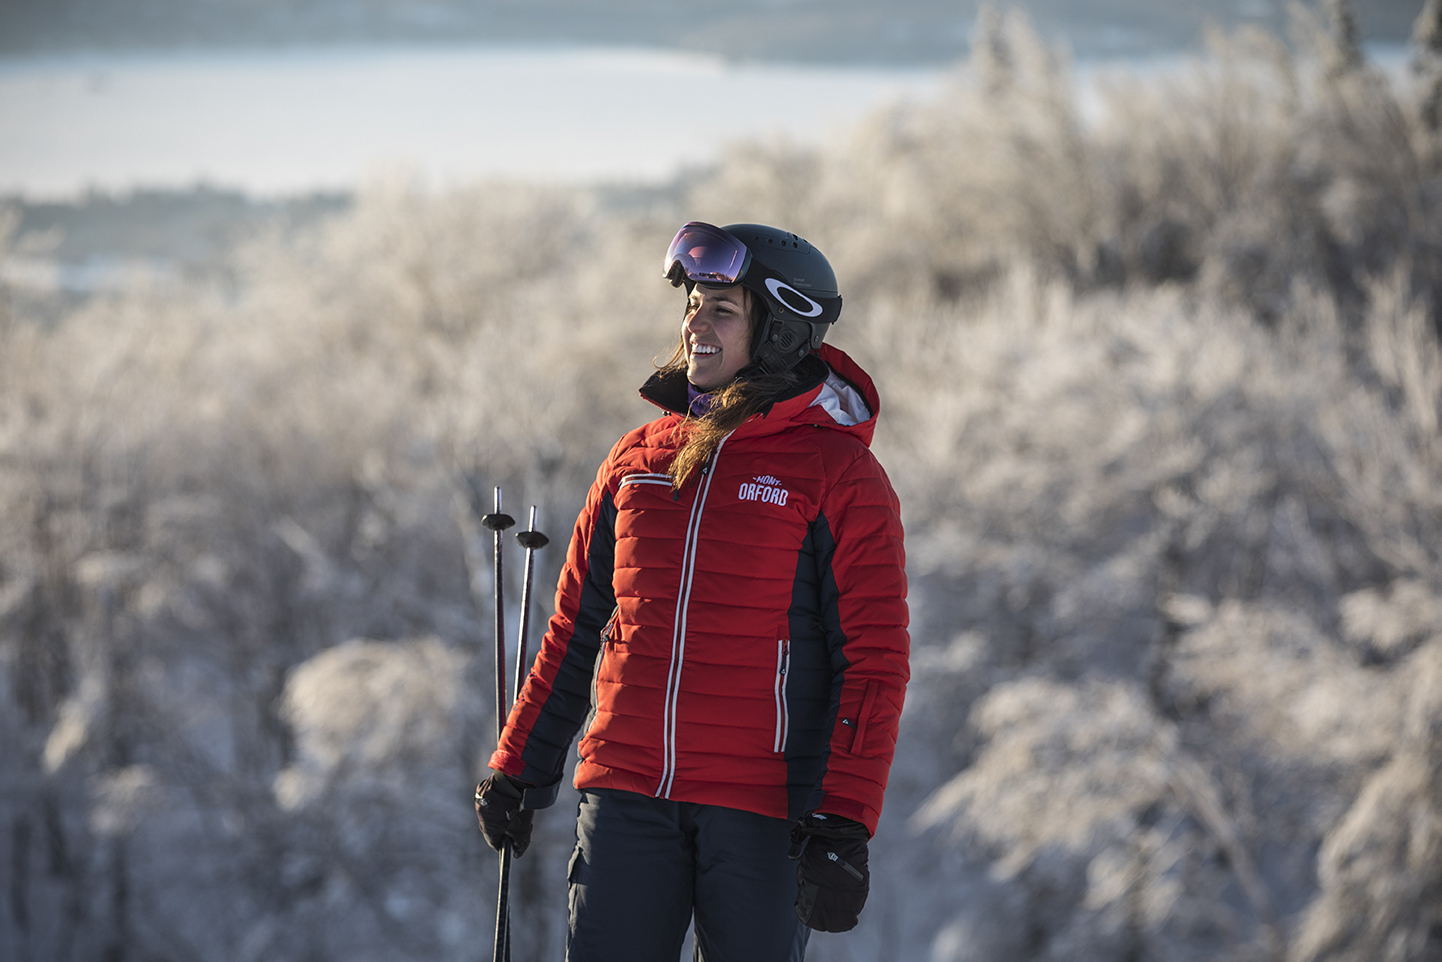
pixel 741 642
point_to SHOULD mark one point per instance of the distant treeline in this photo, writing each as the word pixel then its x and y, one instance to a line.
pixel 196 226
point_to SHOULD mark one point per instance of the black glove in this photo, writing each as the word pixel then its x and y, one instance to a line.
pixel 498 806
pixel 831 874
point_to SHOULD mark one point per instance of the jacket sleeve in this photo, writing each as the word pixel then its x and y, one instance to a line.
pixel 862 565
pixel 556 696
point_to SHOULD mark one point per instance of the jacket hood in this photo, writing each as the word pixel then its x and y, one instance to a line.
pixel 834 392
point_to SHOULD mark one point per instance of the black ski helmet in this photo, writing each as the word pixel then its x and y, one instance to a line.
pixel 793 279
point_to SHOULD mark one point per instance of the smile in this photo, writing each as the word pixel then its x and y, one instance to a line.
pixel 705 349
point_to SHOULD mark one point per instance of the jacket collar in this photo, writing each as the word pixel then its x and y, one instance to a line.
pixel 799 405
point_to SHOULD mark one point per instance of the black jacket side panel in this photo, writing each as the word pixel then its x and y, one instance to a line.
pixel 570 699
pixel 817 669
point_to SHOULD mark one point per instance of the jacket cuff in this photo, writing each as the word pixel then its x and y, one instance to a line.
pixel 532 796
pixel 833 804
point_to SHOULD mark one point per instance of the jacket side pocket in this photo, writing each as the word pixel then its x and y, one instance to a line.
pixel 606 633
pixel 783 663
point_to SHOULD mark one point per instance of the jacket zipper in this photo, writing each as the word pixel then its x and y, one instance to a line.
pixel 783 661
pixel 678 631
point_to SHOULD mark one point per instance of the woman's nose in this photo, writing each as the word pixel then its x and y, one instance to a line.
pixel 696 321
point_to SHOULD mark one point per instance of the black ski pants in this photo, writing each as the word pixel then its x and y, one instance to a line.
pixel 643 866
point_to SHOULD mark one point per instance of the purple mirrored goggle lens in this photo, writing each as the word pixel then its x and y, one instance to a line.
pixel 706 255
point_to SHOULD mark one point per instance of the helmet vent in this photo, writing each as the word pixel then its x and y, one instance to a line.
pixel 787 342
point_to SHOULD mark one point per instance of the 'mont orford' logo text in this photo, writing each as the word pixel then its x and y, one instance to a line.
pixel 764 488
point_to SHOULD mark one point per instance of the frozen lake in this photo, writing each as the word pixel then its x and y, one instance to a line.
pixel 298 120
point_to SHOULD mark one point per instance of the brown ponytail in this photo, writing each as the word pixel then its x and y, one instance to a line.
pixel 730 408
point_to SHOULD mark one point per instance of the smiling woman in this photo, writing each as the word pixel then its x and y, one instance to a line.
pixel 302 120
pixel 733 614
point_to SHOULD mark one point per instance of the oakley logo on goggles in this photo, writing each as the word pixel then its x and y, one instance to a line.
pixel 705 254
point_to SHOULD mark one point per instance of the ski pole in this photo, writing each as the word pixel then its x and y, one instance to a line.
pixel 497 522
pixel 530 540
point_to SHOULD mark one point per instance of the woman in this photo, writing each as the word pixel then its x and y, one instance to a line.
pixel 730 627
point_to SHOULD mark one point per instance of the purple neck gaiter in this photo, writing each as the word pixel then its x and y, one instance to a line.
pixel 699 401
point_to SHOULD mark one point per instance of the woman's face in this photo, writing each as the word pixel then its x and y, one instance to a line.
pixel 717 335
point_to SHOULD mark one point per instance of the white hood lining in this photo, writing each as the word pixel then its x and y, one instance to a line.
pixel 842 401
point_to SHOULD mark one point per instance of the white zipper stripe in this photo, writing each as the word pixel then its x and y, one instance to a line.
pixel 678 639
pixel 678 633
pixel 783 657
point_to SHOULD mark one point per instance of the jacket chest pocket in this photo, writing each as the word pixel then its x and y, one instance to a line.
pixel 644 492
pixel 646 509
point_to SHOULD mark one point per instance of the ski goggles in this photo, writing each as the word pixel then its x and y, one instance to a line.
pixel 704 254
